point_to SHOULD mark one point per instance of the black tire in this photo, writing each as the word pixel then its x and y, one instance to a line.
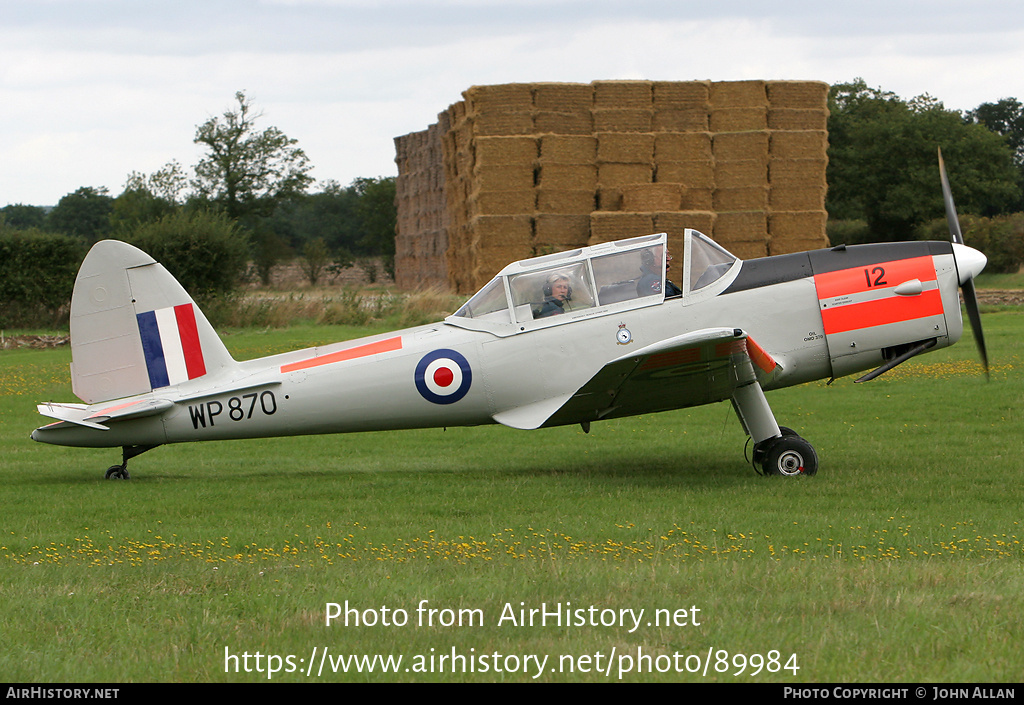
pixel 790 456
pixel 117 472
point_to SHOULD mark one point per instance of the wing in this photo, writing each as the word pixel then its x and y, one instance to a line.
pixel 687 370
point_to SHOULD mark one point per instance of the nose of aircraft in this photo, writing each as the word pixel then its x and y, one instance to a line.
pixel 969 262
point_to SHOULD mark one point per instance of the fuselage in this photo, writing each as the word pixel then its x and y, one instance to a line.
pixel 821 314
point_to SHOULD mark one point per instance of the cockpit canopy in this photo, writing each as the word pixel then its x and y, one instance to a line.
pixel 605 278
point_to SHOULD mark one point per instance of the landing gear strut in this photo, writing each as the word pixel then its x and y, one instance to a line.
pixel 777 450
pixel 120 472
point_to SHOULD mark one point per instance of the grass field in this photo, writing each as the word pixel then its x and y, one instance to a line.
pixel 901 561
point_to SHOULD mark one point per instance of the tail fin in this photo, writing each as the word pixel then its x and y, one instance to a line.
pixel 135 329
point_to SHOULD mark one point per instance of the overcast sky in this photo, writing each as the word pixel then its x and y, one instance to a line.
pixel 91 90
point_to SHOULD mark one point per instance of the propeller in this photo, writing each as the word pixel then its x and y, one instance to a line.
pixel 969 264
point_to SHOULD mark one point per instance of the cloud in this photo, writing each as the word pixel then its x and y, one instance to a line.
pixel 94 89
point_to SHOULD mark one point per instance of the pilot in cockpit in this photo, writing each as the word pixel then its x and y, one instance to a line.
pixel 557 292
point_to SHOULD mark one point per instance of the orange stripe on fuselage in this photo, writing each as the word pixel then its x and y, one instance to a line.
pixel 874 276
pixel 347 354
pixel 892 309
pixel 839 315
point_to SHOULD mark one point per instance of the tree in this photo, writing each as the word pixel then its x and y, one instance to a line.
pixel 148 198
pixel 248 172
pixel 1005 118
pixel 378 218
pixel 315 257
pixel 84 213
pixel 205 251
pixel 22 217
pixel 882 161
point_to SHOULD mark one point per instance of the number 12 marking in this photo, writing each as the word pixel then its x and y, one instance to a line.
pixel 879 272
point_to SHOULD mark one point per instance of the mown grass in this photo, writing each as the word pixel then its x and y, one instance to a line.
pixel 901 561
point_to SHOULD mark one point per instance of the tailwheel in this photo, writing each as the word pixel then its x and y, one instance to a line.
pixel 120 472
pixel 789 456
pixel 117 472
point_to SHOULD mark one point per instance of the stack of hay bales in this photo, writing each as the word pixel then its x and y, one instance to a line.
pixel 535 168
pixel 566 173
pixel 421 241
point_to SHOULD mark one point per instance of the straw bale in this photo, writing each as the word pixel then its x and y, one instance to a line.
pixel 623 94
pixel 618 225
pixel 754 249
pixel 751 198
pixel 651 197
pixel 456 114
pixel 797 94
pixel 622 120
pixel 502 230
pixel 504 178
pixel 507 97
pixel 577 202
pixel 792 197
pixel 563 96
pixel 609 198
pixel 463 138
pixel 487 202
pixel 784 247
pixel 680 94
pixel 506 151
pixel 797 225
pixel 735 146
pixel 697 199
pixel 503 123
pixel 561 231
pixel 692 174
pixel 737 94
pixel 675 222
pixel 797 119
pixel 742 173
pixel 740 226
pixel 568 149
pixel 797 172
pixel 738 119
pixel 625 147
pixel 682 147
pixel 803 144
pixel 623 174
pixel 578 122
pixel 568 177
pixel 696 119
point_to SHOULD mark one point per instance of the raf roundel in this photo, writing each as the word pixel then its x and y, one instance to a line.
pixel 443 376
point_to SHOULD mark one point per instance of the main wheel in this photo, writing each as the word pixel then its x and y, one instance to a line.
pixel 117 472
pixel 790 456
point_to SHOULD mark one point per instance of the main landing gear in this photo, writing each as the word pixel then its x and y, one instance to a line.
pixel 120 472
pixel 777 450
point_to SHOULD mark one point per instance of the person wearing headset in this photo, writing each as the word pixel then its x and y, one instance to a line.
pixel 650 279
pixel 557 293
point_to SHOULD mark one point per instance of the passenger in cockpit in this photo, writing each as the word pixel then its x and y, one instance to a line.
pixel 650 280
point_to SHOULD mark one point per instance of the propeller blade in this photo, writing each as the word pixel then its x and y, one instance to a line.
pixel 970 295
pixel 971 302
pixel 947 196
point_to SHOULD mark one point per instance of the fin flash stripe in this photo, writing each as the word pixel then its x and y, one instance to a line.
pixel 170 341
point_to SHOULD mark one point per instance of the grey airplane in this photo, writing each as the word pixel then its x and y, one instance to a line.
pixel 568 338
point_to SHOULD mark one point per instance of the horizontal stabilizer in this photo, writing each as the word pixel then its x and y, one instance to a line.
pixel 93 417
